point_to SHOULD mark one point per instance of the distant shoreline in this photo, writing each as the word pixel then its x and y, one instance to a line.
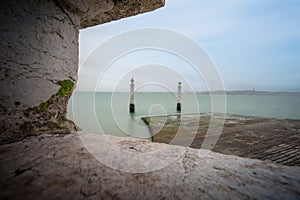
pixel 251 92
pixel 234 92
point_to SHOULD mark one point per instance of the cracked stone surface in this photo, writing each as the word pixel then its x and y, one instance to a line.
pixel 60 167
pixel 39 48
pixel 38 44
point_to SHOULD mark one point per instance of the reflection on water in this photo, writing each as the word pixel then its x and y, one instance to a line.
pixel 108 112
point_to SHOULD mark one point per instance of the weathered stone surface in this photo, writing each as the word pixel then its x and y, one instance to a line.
pixel 59 167
pixel 39 43
pixel 39 48
pixel 48 117
pixel 121 9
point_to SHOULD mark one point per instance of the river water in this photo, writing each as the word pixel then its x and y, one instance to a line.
pixel 108 113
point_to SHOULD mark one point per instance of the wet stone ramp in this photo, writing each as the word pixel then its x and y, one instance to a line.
pixel 276 140
pixel 286 154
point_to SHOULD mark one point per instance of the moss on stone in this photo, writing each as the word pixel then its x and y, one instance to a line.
pixel 43 106
pixel 53 125
pixel 66 87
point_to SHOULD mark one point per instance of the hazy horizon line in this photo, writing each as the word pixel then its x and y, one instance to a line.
pixel 207 91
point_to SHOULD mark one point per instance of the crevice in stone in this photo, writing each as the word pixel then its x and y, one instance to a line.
pixel 58 34
pixel 184 165
pixel 21 64
pixel 20 171
pixel 26 167
pixel 58 4
pixel 58 150
pixel 44 51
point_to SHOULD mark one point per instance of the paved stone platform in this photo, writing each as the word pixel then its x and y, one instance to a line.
pixel 60 167
pixel 276 140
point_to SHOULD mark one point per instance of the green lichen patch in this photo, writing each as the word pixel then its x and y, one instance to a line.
pixel 53 125
pixel 66 87
pixel 43 106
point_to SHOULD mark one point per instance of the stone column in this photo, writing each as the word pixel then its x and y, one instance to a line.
pixel 39 59
pixel 179 97
pixel 131 105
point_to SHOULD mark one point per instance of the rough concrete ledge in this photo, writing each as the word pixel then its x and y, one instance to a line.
pixel 60 167
pixel 121 9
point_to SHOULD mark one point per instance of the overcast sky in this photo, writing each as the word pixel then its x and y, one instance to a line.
pixel 253 43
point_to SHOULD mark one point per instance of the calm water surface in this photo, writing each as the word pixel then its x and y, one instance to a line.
pixel 107 113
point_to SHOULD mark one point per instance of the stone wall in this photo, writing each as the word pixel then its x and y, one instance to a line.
pixel 39 58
